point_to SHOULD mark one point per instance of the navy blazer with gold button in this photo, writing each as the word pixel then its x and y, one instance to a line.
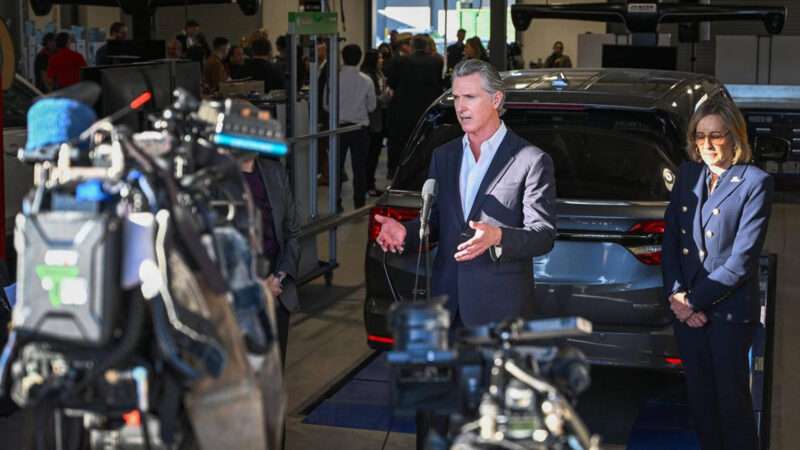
pixel 712 242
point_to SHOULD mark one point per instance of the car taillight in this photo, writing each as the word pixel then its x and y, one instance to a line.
pixel 399 214
pixel 380 339
pixel 673 361
pixel 649 254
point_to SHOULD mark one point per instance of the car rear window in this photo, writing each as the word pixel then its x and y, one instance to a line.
pixel 598 155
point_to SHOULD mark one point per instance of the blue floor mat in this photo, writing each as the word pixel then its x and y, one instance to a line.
pixel 363 402
pixel 644 419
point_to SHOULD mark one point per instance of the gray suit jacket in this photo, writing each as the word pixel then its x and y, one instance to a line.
pixel 517 194
pixel 284 218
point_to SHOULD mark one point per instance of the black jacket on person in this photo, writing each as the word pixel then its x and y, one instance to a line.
pixel 455 53
pixel 266 71
pixel 416 80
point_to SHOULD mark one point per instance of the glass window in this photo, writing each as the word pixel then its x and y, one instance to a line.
pixel 439 18
pixel 598 154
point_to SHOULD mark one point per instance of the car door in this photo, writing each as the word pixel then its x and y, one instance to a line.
pixel 17 177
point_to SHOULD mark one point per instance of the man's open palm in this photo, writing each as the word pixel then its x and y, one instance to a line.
pixel 392 237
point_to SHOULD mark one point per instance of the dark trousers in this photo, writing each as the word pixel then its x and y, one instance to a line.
pixel 717 376
pixel 358 143
pixel 394 148
pixel 282 316
pixel 374 154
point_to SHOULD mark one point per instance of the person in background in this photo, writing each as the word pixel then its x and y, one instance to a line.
pixel 174 49
pixel 373 68
pixel 214 68
pixel 188 37
pixel 235 63
pixel 716 224
pixel 354 110
pixel 514 59
pixel 272 197
pixel 260 66
pixel 558 58
pixel 455 51
pixel 416 81
pixel 322 114
pixel 393 37
pixel 386 54
pixel 200 50
pixel 64 67
pixel 474 49
pixel 282 57
pixel 41 62
pixel 432 50
pixel 117 32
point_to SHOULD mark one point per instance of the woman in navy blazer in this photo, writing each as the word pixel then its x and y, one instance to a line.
pixel 716 222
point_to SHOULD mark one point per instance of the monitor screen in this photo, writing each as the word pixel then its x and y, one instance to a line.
pixel 121 83
pixel 128 51
pixel 640 57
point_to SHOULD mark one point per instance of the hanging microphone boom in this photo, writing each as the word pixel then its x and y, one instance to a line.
pixel 429 191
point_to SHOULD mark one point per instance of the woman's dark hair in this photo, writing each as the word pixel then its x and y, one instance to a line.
pixel 370 63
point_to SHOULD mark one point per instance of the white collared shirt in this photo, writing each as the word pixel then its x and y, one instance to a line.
pixel 356 96
pixel 472 172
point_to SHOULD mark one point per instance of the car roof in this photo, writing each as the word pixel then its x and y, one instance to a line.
pixel 615 88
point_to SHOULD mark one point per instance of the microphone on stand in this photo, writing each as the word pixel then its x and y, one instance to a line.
pixel 429 190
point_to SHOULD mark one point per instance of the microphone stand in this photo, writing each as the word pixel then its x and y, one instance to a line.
pixel 428 268
pixel 424 246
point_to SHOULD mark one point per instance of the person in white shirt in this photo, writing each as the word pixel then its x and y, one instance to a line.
pixel 356 100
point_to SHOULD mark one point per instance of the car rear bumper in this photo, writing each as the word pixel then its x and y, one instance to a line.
pixel 620 347
pixel 642 349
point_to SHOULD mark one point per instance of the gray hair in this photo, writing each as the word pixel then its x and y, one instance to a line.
pixel 490 77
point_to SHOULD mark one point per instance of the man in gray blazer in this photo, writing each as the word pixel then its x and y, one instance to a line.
pixel 272 196
pixel 494 212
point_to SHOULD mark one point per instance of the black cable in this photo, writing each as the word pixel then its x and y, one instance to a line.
pixel 416 274
pixel 388 431
pixel 145 432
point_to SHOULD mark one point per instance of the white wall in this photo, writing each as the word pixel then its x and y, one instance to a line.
pixel 228 21
pixel 100 17
pixel 355 28
pixel 224 20
pixel 537 41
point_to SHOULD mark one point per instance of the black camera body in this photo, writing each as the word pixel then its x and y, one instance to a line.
pixel 68 276
pixel 500 384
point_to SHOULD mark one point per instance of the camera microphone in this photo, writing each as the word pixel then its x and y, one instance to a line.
pixel 429 191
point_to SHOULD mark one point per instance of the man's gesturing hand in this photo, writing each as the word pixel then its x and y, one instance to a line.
pixel 485 236
pixel 393 234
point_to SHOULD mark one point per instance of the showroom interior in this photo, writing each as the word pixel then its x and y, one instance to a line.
pixel 199 248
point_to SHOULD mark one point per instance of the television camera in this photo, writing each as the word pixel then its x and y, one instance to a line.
pixel 501 386
pixel 139 307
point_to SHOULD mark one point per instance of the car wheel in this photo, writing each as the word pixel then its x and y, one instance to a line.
pixel 249 7
pixel 41 7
